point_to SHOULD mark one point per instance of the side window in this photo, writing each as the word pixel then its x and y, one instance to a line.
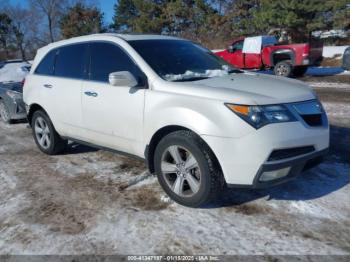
pixel 46 66
pixel 238 45
pixel 107 58
pixel 71 61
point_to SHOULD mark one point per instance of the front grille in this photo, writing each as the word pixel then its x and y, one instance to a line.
pixel 280 154
pixel 313 120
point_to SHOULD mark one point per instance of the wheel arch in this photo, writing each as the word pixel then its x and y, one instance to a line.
pixel 282 55
pixel 157 137
pixel 32 109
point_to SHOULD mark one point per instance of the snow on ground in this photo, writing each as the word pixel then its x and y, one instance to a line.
pixel 14 72
pixel 329 85
pixel 332 51
pixel 341 110
pixel 88 201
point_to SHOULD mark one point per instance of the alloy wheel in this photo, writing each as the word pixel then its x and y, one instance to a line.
pixel 181 171
pixel 42 132
pixel 282 70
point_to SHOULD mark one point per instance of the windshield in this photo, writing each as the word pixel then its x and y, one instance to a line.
pixel 181 60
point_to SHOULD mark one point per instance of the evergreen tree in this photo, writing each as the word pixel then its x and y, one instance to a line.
pixel 240 14
pixel 214 22
pixel 124 13
pixel 149 16
pixel 81 20
pixel 298 17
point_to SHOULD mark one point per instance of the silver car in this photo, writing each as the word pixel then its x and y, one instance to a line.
pixel 346 59
pixel 11 102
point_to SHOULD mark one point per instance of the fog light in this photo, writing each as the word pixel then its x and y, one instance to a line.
pixel 272 175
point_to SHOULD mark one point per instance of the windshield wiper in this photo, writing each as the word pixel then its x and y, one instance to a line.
pixel 195 78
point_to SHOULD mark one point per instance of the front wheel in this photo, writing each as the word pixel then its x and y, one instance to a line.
pixel 187 170
pixel 283 68
pixel 45 135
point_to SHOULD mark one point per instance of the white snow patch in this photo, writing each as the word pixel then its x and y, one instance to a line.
pixel 329 85
pixel 9 181
pixel 14 72
pixel 190 74
pixel 337 109
pixel 331 51
pixel 165 199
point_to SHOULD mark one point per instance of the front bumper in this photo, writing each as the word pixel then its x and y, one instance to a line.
pixel 295 167
pixel 243 160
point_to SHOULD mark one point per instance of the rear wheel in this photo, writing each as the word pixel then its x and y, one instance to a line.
pixel 283 68
pixel 187 170
pixel 4 113
pixel 45 135
pixel 299 71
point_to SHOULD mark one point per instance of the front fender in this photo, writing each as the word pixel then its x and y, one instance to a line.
pixel 201 115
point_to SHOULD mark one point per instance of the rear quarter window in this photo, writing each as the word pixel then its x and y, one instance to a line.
pixel 46 66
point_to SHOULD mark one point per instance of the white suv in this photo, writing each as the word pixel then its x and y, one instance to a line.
pixel 199 123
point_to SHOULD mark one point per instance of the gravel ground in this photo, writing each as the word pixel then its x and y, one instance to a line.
pixel 94 202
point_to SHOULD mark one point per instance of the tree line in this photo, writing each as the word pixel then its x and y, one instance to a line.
pixel 23 29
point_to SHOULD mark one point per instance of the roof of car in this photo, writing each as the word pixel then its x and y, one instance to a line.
pixel 131 37
pixel 92 37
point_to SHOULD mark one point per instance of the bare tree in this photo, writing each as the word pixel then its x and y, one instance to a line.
pixel 20 19
pixel 52 11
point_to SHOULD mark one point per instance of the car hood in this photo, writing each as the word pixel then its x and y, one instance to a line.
pixel 245 88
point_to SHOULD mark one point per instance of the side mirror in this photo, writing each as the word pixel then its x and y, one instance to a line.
pixel 231 49
pixel 122 78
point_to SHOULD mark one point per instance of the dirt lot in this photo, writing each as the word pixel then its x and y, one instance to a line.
pixel 95 202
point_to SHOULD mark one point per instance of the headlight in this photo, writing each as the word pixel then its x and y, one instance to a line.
pixel 259 116
pixel 14 95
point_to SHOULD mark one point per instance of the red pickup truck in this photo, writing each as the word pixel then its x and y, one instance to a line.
pixel 263 52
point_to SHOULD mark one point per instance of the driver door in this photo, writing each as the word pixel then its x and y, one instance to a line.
pixel 112 115
pixel 237 57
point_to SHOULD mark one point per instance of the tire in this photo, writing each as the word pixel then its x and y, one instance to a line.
pixel 4 113
pixel 299 71
pixel 42 126
pixel 283 68
pixel 193 177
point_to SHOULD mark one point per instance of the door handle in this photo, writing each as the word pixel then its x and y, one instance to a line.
pixel 93 94
pixel 48 86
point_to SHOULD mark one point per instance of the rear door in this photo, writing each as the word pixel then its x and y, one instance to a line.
pixel 112 115
pixel 65 87
pixel 59 78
